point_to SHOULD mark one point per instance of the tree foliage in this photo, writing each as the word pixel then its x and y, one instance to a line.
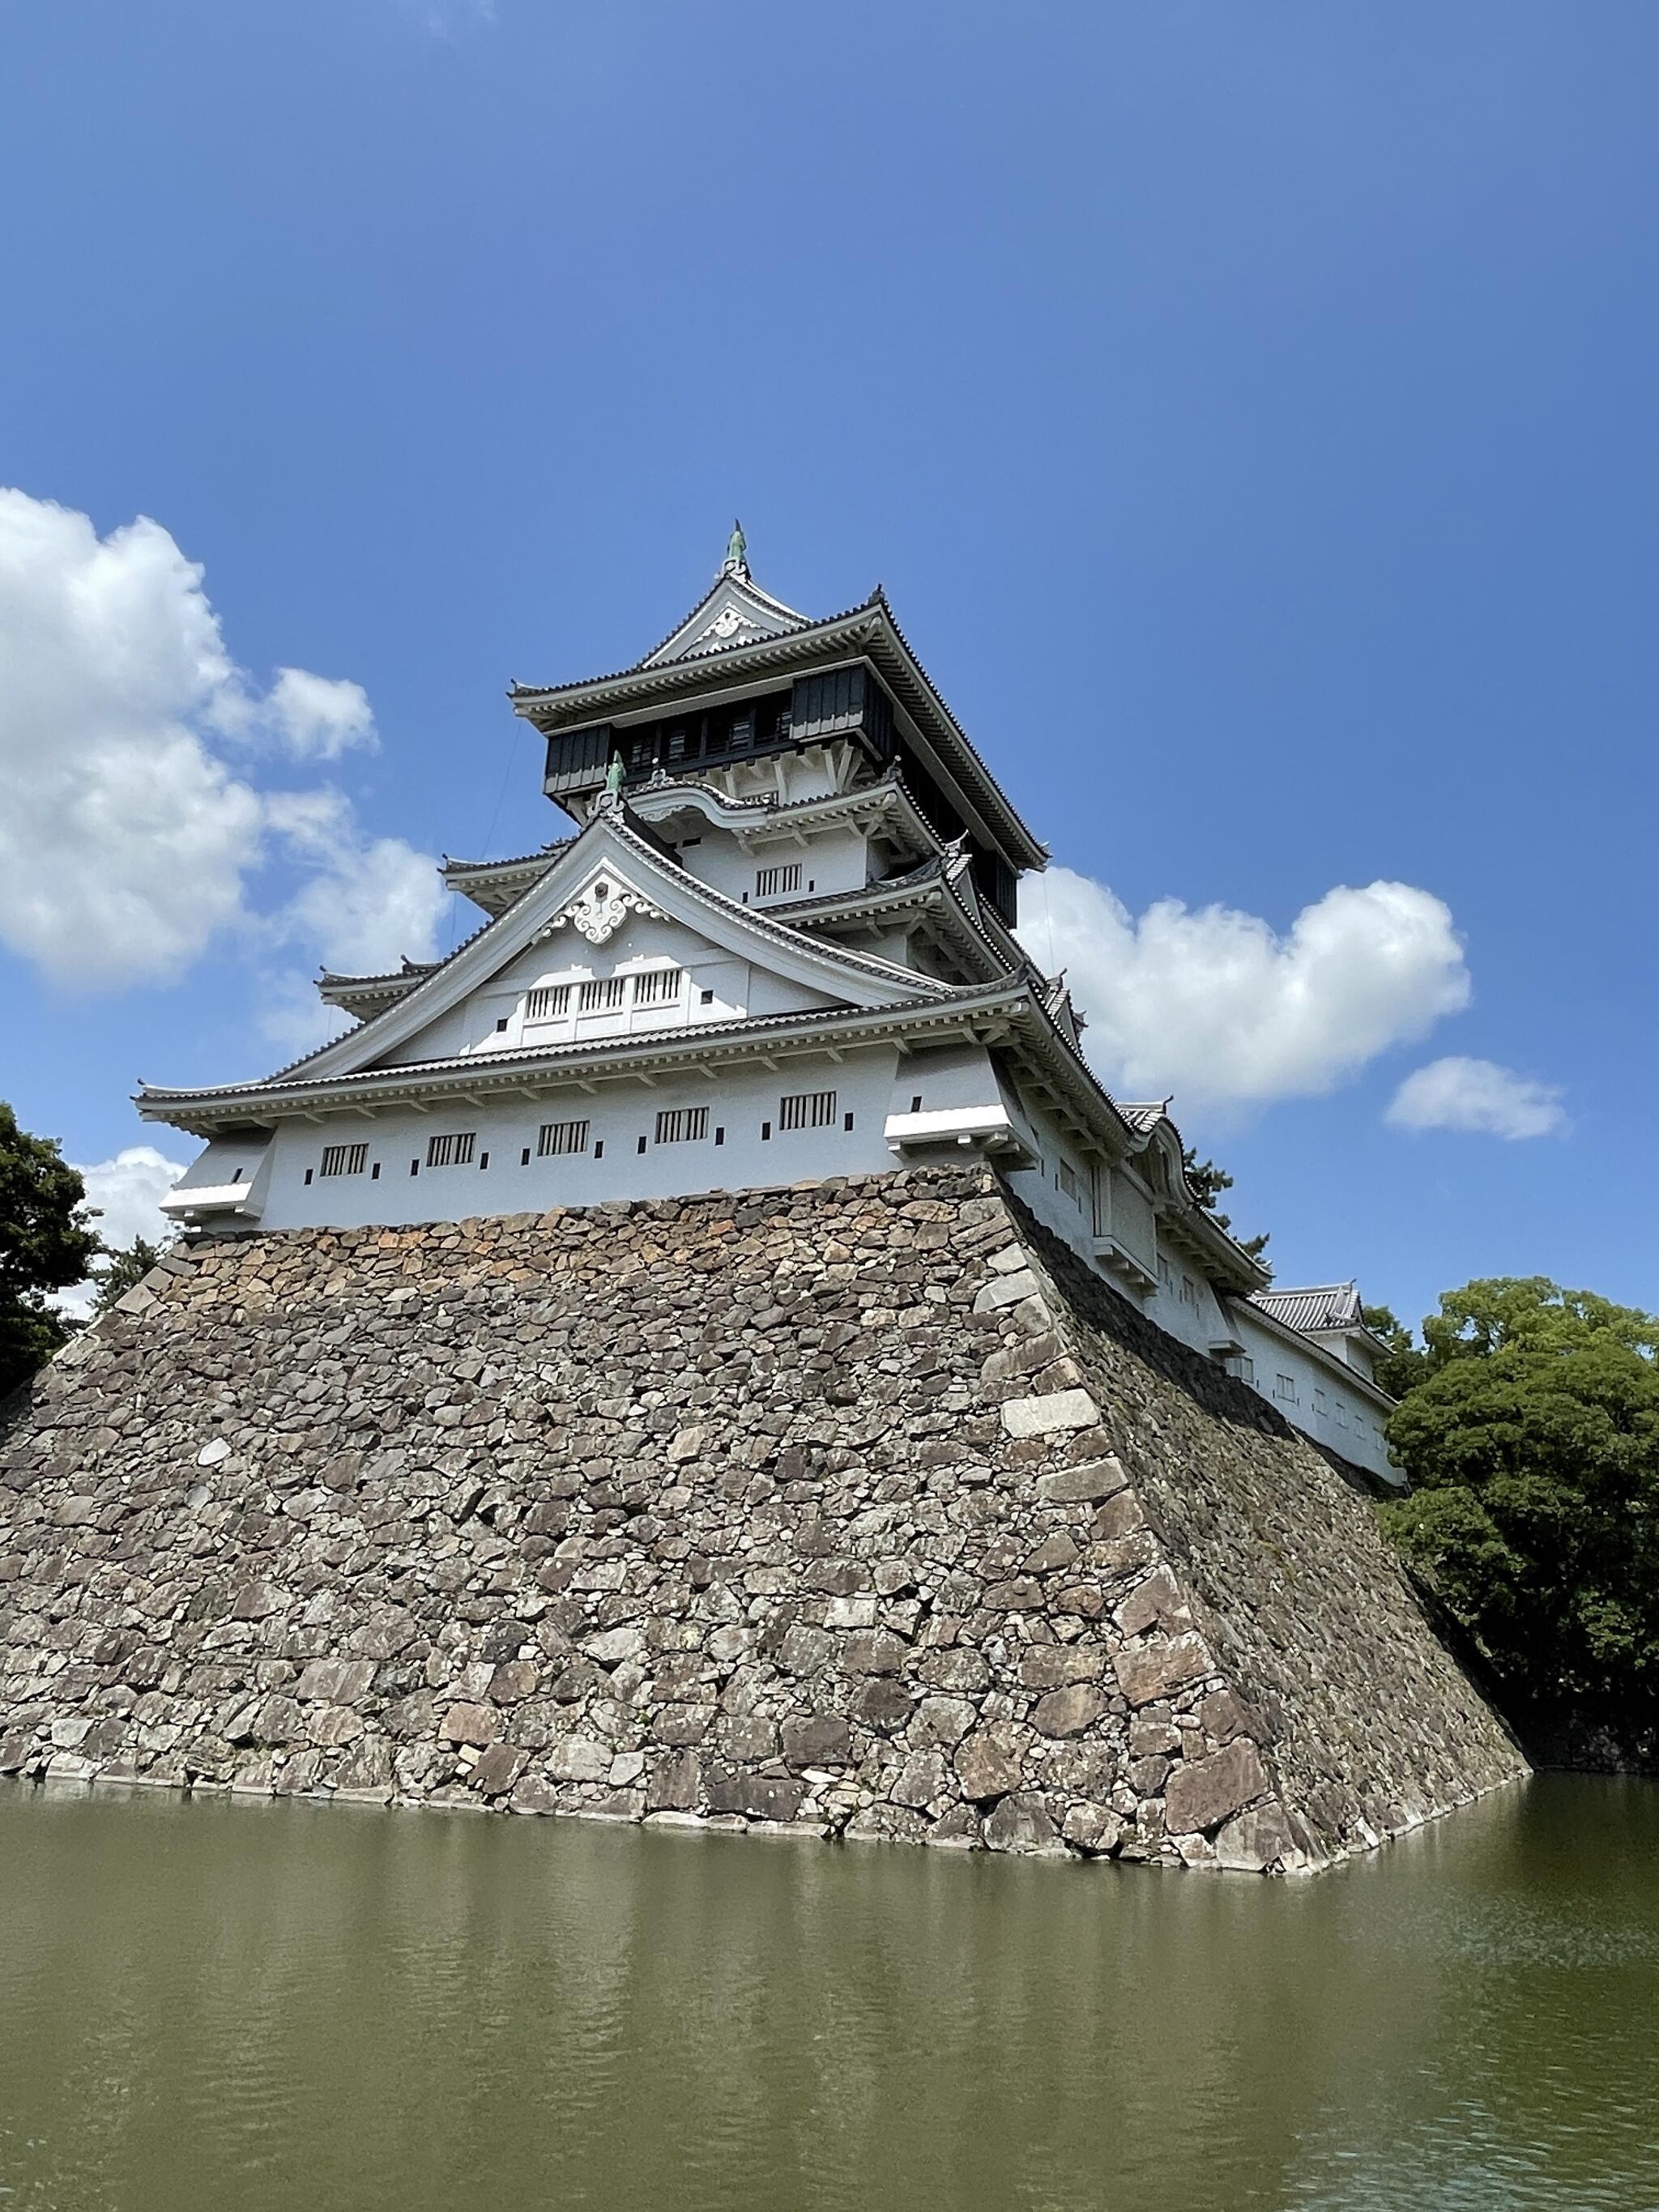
pixel 1407 1365
pixel 124 1266
pixel 1207 1182
pixel 1530 1430
pixel 46 1243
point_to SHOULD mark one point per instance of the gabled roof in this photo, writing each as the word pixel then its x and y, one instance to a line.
pixel 934 888
pixel 1325 1306
pixel 628 857
pixel 866 631
pixel 1145 1116
pixel 734 611
pixel 493 884
pixel 362 995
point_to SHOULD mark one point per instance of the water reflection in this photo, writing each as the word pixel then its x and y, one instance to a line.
pixel 215 2003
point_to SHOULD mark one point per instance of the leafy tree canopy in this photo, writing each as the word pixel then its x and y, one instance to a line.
pixel 1406 1365
pixel 124 1267
pixel 1530 1432
pixel 46 1243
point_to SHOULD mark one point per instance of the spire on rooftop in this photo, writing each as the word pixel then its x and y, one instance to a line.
pixel 736 562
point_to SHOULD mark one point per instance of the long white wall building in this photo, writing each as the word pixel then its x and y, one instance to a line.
pixel 778 945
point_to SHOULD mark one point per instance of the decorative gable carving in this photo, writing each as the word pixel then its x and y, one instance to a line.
pixel 735 612
pixel 599 910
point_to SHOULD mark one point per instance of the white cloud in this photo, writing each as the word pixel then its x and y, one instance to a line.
pixel 365 901
pixel 1477 1096
pixel 127 844
pixel 364 904
pixel 319 717
pixel 123 841
pixel 127 1192
pixel 1212 1005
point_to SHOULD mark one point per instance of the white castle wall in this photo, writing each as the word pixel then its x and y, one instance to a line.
pixel 618 1114
pixel 836 859
pixel 1320 1401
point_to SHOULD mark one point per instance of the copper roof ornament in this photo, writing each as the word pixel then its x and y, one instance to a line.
pixel 736 562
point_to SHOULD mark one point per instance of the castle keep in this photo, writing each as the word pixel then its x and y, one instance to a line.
pixel 709 1351
pixel 779 946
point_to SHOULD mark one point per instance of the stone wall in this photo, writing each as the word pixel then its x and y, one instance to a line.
pixel 861 1508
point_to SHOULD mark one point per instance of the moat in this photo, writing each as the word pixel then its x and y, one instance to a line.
pixel 209 2002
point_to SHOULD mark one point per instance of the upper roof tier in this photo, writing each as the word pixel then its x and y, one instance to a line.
pixel 851 674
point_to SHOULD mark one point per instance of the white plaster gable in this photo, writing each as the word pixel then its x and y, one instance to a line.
pixel 709 985
pixel 607 884
pixel 735 612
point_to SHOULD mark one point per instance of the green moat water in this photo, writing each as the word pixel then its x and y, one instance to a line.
pixel 230 2004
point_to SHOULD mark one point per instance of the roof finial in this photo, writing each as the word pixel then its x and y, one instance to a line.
pixel 736 562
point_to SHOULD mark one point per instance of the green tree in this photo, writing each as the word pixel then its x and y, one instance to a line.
pixel 1207 1183
pixel 1531 1438
pixel 46 1243
pixel 1406 1365
pixel 125 1265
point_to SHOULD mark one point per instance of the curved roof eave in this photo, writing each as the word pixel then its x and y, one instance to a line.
pixel 510 1069
pixel 872 623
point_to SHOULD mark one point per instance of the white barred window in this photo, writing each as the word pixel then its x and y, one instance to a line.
pixel 683 1125
pixel 657 986
pixel 451 1151
pixel 344 1159
pixel 558 1136
pixel 603 997
pixel 547 1003
pixel 1066 1176
pixel 807 1110
pixel 770 881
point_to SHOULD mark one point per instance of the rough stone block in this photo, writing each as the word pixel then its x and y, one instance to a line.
pixel 1022 1823
pixel 1094 1829
pixel 1203 1793
pixel 1155 1603
pixel 1079 1485
pixel 475 1724
pixel 1050 1415
pixel 1006 1291
pixel 336 1681
pixel 990 1762
pixel 1152 1669
pixel 1068 1711
pixel 817 1740
pixel 1259 1842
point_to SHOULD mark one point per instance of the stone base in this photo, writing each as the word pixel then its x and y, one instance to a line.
pixel 862 1510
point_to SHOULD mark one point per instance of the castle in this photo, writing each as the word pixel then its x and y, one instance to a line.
pixel 779 947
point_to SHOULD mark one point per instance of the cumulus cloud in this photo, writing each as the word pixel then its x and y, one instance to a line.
pixel 127 1192
pixel 128 841
pixel 363 905
pixel 1212 1004
pixel 319 717
pixel 1477 1096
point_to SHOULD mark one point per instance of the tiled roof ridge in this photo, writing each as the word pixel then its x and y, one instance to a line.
pixel 643 665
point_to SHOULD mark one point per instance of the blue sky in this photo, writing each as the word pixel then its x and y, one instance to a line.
pixel 1249 412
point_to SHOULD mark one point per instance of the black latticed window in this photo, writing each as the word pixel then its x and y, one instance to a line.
pixel 557 1137
pixel 807 1110
pixel 451 1151
pixel 683 1125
